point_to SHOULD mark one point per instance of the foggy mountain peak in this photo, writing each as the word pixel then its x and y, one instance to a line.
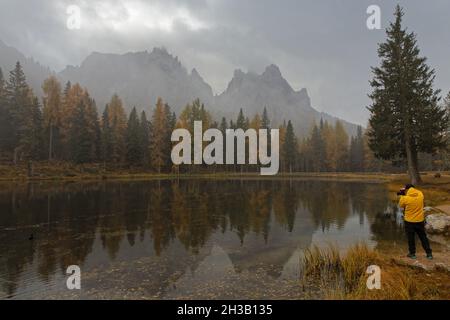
pixel 139 78
pixel 272 72
pixel 270 79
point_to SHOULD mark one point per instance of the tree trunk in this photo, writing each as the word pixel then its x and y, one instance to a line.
pixel 30 169
pixel 413 170
pixel 16 156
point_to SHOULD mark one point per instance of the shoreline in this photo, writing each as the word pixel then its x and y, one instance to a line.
pixel 45 171
pixel 436 190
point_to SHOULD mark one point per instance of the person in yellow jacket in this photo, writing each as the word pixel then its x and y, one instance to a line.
pixel 411 200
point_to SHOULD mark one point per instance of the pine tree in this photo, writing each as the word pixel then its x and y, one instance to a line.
pixel 265 120
pixel 72 96
pixel 6 129
pixel 317 147
pixel 106 136
pixel 444 154
pixel 80 143
pixel 329 139
pixel 256 122
pixel 36 137
pixel 133 139
pixel 356 153
pixel 159 124
pixel 223 126
pixel 241 122
pixel 171 120
pixel 290 147
pixel 21 108
pixel 118 123
pixel 144 136
pixel 342 144
pixel 405 116
pixel 52 113
pixel 93 127
pixel 205 116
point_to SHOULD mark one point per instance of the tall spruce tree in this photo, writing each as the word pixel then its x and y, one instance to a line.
pixel 144 136
pixel 22 111
pixel 444 155
pixel 132 139
pixel 106 137
pixel 6 138
pixel 94 128
pixel 79 138
pixel 290 147
pixel 159 143
pixel 265 122
pixel 241 122
pixel 118 123
pixel 52 114
pixel 171 120
pixel 357 151
pixel 36 132
pixel 317 147
pixel 223 126
pixel 405 116
pixel 341 147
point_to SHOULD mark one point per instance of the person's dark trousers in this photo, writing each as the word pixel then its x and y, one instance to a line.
pixel 411 229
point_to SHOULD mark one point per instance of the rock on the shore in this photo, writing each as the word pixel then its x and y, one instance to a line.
pixel 438 223
pixel 440 262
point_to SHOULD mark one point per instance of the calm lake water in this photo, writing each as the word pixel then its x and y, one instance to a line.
pixel 180 239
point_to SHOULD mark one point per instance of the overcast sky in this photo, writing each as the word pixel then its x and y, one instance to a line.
pixel 324 46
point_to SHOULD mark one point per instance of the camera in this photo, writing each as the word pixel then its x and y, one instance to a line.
pixel 402 192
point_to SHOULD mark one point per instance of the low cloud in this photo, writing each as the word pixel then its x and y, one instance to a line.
pixel 322 45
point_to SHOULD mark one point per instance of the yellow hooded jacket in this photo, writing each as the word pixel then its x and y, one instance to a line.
pixel 413 205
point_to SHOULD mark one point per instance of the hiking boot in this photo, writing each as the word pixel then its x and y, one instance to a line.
pixel 429 256
pixel 411 256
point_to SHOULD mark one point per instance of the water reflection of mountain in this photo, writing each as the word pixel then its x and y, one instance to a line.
pixel 270 252
pixel 174 226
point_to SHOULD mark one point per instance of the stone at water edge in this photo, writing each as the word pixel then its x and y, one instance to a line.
pixel 440 238
pixel 438 223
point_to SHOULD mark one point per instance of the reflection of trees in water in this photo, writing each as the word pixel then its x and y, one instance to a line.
pixel 285 204
pixel 328 202
pixel 387 227
pixel 332 203
pixel 189 211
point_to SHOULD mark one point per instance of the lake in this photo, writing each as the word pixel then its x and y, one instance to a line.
pixel 169 239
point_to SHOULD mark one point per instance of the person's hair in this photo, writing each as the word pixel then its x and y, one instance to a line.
pixel 409 185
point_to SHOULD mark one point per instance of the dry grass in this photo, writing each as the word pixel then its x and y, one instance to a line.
pixel 344 276
pixel 436 190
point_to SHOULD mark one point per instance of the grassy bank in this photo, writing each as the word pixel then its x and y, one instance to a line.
pixel 68 171
pixel 334 275
pixel 436 190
